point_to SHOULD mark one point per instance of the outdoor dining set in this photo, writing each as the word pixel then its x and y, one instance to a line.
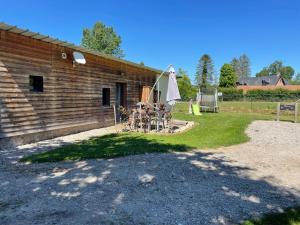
pixel 147 118
pixel 153 112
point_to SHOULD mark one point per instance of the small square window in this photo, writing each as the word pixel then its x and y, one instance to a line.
pixel 36 83
pixel 106 96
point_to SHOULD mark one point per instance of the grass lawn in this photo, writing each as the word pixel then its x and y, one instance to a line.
pixel 212 130
pixel 265 108
pixel 288 217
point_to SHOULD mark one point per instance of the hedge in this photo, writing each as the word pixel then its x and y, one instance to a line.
pixel 233 94
pixel 273 95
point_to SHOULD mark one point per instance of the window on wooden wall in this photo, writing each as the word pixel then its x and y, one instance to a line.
pixel 106 96
pixel 36 83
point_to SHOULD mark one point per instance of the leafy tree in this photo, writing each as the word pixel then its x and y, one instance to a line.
pixel 186 89
pixel 102 39
pixel 228 76
pixel 245 70
pixel 277 68
pixel 264 72
pixel 205 71
pixel 142 63
pixel 287 72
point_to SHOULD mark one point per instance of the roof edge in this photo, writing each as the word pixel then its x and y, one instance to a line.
pixel 48 39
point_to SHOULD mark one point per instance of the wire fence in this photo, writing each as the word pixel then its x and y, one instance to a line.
pixel 266 105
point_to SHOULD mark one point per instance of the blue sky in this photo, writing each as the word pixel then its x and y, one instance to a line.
pixel 177 32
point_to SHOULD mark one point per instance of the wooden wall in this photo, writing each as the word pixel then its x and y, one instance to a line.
pixel 72 95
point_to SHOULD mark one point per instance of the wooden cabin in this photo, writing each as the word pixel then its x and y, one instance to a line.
pixel 45 94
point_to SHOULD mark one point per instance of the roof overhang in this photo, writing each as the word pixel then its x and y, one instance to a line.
pixel 48 39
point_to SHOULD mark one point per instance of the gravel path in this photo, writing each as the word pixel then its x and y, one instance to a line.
pixel 220 186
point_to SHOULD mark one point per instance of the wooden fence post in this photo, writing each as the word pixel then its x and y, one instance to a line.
pixel 278 111
pixel 296 112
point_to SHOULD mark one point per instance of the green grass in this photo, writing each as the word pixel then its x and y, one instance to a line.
pixel 259 108
pixel 212 130
pixel 290 216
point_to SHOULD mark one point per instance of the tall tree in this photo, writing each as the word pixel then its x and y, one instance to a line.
pixel 228 76
pixel 241 66
pixel 186 89
pixel 235 63
pixel 102 39
pixel 205 71
pixel 245 70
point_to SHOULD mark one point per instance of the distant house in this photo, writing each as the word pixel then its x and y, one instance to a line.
pixel 265 83
pixel 273 80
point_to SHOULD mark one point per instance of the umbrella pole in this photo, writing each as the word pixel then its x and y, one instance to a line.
pixel 157 82
pixel 115 115
pixel 158 101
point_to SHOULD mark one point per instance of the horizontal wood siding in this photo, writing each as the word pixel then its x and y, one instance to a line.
pixel 72 94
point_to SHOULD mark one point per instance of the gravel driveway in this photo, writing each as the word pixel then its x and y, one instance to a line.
pixel 220 186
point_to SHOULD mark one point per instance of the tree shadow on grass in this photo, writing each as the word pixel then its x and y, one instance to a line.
pixel 108 146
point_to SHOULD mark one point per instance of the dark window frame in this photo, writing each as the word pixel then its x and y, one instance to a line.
pixel 106 96
pixel 36 83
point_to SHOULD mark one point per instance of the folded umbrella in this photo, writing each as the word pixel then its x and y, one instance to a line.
pixel 173 91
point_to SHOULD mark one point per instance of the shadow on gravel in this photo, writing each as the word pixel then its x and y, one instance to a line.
pixel 107 146
pixel 179 188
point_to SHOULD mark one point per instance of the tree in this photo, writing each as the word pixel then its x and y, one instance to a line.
pixel 235 63
pixel 186 89
pixel 264 72
pixel 102 39
pixel 287 72
pixel 241 66
pixel 228 76
pixel 245 70
pixel 277 68
pixel 205 71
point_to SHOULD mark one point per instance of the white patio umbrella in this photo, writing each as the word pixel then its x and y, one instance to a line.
pixel 173 92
